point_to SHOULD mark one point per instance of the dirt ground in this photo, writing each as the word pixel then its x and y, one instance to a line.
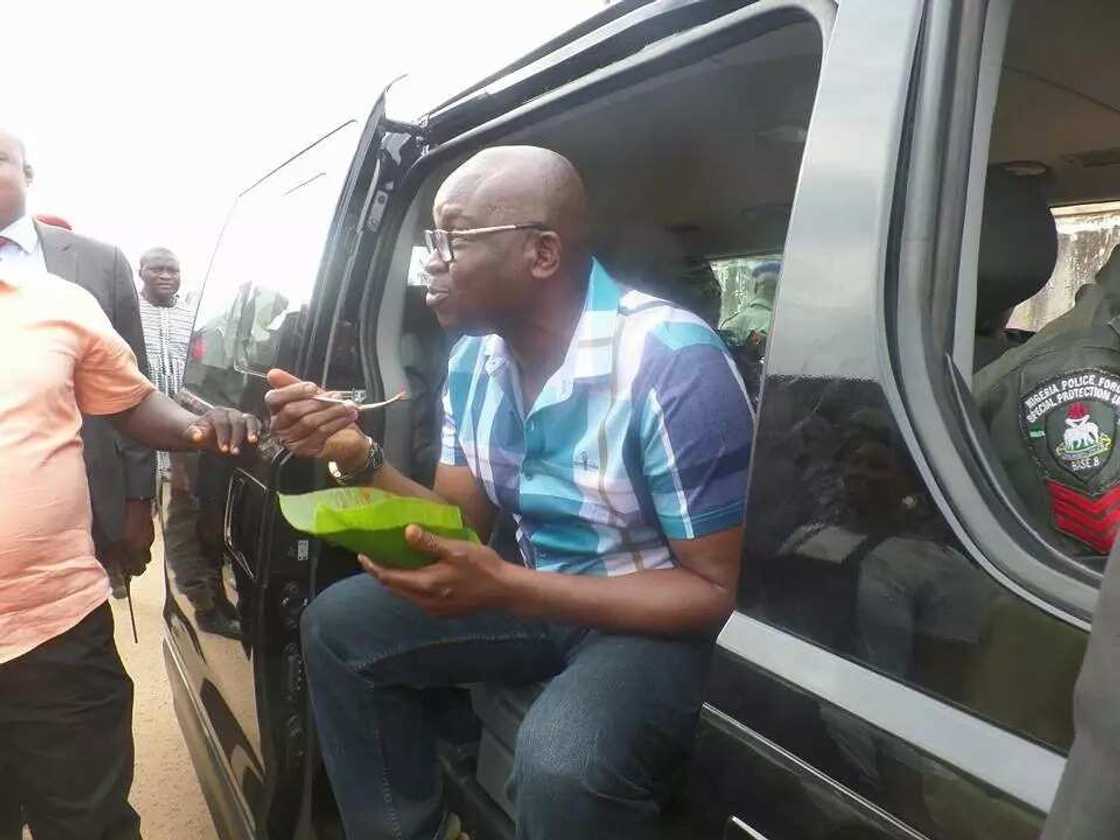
pixel 165 790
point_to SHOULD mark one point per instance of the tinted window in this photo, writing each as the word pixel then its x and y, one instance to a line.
pixel 258 290
pixel 849 547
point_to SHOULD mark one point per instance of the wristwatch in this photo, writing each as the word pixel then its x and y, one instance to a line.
pixel 375 459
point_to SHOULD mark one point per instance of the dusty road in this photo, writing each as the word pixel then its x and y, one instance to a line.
pixel 165 790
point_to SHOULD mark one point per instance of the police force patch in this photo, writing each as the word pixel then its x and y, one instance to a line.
pixel 1069 422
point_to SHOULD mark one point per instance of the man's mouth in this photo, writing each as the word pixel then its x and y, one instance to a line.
pixel 436 296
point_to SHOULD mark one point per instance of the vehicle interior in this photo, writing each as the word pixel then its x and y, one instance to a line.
pixel 1049 226
pixel 1055 143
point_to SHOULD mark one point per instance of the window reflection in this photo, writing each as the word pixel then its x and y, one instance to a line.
pixel 860 561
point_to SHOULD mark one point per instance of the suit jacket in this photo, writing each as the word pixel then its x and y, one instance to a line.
pixel 117 468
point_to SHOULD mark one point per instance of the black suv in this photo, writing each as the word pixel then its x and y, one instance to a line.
pixel 901 660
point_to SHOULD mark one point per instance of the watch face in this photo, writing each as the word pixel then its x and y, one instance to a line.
pixel 375 458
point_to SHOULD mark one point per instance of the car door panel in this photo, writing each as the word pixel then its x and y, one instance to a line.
pixel 282 249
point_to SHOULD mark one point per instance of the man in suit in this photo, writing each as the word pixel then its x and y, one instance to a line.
pixel 121 473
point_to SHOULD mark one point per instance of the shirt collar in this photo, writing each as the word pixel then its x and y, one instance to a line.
pixel 591 352
pixel 23 233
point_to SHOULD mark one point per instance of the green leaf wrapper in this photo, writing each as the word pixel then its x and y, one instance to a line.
pixel 372 522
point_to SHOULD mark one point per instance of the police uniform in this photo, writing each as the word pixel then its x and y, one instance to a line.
pixel 1052 406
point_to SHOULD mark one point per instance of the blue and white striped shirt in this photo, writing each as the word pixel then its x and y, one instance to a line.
pixel 642 435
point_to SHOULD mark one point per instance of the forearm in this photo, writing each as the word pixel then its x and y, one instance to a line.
pixel 666 602
pixel 392 480
pixel 158 423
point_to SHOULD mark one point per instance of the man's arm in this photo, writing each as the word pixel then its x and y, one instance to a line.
pixel 139 460
pixel 694 598
pixel 161 423
pixel 697 596
pixel 328 432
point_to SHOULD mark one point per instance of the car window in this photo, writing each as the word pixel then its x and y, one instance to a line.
pixel 1046 379
pixel 851 546
pixel 748 286
pixel 257 292
pixel 1087 235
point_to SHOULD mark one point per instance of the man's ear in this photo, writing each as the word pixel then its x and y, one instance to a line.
pixel 28 172
pixel 547 250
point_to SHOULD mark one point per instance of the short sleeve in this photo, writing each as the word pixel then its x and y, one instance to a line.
pixel 106 378
pixel 695 428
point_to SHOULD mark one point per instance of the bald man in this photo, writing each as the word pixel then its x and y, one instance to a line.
pixel 121 472
pixel 615 430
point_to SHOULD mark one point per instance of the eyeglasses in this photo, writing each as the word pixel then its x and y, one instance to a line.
pixel 439 241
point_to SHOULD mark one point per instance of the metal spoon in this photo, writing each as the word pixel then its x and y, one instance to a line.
pixel 324 398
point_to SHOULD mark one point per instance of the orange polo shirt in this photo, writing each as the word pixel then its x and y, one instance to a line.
pixel 59 357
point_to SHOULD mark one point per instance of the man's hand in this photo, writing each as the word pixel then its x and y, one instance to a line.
pixel 222 430
pixel 466 577
pixel 139 533
pixel 312 429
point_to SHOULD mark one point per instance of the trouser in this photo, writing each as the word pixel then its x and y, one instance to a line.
pixel 594 754
pixel 66 751
pixel 196 576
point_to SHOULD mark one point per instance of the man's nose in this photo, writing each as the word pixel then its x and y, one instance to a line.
pixel 435 264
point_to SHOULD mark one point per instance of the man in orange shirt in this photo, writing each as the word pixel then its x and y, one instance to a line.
pixel 66 753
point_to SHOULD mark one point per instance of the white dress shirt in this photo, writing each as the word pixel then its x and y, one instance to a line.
pixel 22 252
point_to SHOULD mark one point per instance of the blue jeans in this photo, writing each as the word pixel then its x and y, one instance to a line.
pixel 594 756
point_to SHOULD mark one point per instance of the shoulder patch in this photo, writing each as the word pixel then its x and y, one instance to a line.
pixel 1069 423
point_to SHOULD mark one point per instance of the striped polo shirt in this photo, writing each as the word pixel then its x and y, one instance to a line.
pixel 642 435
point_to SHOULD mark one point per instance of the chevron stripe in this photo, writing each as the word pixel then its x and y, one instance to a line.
pixel 1093 521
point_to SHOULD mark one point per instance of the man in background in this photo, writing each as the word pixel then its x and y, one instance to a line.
pixel 167 317
pixel 121 473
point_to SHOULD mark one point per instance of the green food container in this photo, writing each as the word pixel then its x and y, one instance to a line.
pixel 372 522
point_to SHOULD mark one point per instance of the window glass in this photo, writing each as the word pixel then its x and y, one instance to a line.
pixel 258 290
pixel 1087 234
pixel 1047 350
pixel 747 286
pixel 848 546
